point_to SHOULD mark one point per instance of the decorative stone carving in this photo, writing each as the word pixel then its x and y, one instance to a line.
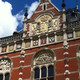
pixel 59 38
pixel 77 34
pixel 43 58
pixel 5 65
pixel 27 44
pixel 11 47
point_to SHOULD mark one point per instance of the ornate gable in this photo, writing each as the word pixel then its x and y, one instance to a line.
pixel 42 18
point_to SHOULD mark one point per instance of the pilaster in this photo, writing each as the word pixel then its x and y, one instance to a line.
pixel 31 41
pixel 39 41
pixel 47 38
pixel 7 47
pixel 23 43
pixel 0 48
pixel 15 45
pixel 55 36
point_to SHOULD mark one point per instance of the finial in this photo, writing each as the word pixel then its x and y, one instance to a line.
pixel 76 4
pixel 26 13
pixel 63 4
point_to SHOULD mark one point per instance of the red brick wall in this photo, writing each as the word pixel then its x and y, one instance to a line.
pixel 59 64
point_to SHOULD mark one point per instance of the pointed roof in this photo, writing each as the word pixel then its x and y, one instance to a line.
pixel 50 7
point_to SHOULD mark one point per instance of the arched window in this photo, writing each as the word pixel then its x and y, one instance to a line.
pixel 43 65
pixel 7 76
pixel 5 68
pixel 1 76
pixel 43 72
pixel 50 72
pixel 37 71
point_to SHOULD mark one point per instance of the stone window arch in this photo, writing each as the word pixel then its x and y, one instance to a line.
pixel 5 68
pixel 43 65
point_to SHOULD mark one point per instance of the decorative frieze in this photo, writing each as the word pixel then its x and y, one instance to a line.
pixel 4 49
pixel 77 34
pixel 38 41
pixel 18 46
pixel 11 48
pixel 35 43
pixel 43 41
pixel 27 44
pixel 51 39
pixel 59 38
pixel 43 58
pixel 70 35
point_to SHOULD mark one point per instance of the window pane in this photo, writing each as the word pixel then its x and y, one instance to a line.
pixel 1 77
pixel 50 71
pixel 42 79
pixel 43 72
pixel 37 71
pixel 51 79
pixel 7 76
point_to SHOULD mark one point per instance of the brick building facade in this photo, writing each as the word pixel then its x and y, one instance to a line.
pixel 48 47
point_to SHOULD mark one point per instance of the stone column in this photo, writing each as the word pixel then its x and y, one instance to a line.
pixel 31 42
pixel 39 41
pixel 15 45
pixel 25 27
pixel 23 43
pixel 74 34
pixel 40 71
pixel 0 48
pixel 47 70
pixel 7 47
pixel 47 39
pixel 65 43
pixel 55 37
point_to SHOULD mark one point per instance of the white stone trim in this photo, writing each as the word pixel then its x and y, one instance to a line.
pixel 15 46
pixel 66 72
pixel 21 73
pixel 22 61
pixel 66 65
pixel 0 49
pixel 20 79
pixel 65 53
pixel 67 78
pixel 47 39
pixel 31 42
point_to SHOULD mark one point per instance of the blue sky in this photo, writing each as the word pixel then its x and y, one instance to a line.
pixel 12 13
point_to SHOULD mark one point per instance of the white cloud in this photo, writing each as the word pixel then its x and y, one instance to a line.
pixel 32 8
pixel 20 17
pixel 8 22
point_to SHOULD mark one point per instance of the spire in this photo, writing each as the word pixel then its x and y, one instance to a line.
pixel 63 4
pixel 26 13
pixel 43 1
pixel 76 4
